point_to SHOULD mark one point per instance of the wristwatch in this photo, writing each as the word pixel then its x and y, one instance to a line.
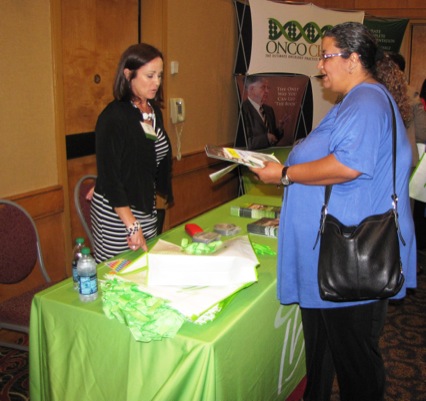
pixel 284 177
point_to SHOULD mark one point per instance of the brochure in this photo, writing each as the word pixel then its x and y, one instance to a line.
pixel 127 261
pixel 239 156
pixel 219 174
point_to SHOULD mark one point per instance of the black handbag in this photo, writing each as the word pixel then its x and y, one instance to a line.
pixel 361 262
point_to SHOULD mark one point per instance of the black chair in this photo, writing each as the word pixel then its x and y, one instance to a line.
pixel 20 252
pixel 82 205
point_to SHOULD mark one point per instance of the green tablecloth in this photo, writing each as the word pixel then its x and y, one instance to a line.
pixel 253 350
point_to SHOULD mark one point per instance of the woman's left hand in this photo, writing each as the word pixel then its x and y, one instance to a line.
pixel 89 195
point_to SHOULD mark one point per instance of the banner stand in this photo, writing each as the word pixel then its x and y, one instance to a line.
pixel 278 47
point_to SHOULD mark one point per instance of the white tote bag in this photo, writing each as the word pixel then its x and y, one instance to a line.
pixel 418 181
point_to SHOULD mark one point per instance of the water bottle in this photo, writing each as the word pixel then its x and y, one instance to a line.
pixel 76 255
pixel 87 278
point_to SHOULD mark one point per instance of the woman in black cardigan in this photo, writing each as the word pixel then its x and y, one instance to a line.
pixel 133 155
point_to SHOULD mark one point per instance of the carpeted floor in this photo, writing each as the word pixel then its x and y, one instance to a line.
pixel 14 381
pixel 403 345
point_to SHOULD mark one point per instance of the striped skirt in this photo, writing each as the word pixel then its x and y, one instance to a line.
pixel 109 232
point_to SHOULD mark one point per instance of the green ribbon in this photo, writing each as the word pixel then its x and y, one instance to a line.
pixel 148 318
pixel 260 249
pixel 200 248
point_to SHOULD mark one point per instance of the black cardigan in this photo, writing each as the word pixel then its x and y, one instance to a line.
pixel 126 159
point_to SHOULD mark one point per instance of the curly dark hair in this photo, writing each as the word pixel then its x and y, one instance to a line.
pixel 354 37
pixel 390 75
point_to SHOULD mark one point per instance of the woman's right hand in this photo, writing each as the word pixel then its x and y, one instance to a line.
pixel 137 240
pixel 270 174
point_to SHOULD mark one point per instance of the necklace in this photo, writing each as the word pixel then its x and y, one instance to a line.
pixel 145 116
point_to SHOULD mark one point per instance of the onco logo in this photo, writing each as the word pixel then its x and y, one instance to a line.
pixel 292 32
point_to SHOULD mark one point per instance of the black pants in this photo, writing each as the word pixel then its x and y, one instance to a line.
pixel 345 341
pixel 420 224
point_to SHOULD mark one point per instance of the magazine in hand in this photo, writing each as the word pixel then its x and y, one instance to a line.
pixel 245 157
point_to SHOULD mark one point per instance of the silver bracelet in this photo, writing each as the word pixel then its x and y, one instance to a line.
pixel 133 229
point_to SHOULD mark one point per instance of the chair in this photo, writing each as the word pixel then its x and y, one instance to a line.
pixel 20 251
pixel 82 205
pixel 161 215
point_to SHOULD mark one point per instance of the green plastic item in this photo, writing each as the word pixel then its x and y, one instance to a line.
pixel 147 317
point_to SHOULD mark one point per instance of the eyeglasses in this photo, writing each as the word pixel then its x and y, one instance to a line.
pixel 327 56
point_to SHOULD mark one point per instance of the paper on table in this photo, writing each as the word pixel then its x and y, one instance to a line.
pixel 233 264
pixel 190 301
pixel 195 300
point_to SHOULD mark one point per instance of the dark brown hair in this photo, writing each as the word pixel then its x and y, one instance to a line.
pixel 133 58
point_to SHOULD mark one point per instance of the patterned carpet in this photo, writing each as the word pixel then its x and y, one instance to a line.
pixel 14 382
pixel 403 345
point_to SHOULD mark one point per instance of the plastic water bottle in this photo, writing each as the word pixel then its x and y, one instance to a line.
pixel 87 276
pixel 76 255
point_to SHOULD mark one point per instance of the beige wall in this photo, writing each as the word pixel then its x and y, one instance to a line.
pixel 203 43
pixel 28 159
pixel 201 36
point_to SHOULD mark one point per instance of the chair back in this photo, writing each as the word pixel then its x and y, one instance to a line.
pixel 161 215
pixel 19 244
pixel 82 205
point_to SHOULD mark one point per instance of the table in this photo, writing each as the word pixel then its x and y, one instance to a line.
pixel 253 350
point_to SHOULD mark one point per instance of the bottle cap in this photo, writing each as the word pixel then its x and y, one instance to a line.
pixel 79 240
pixel 85 251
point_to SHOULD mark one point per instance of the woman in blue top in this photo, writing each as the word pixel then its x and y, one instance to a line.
pixel 351 149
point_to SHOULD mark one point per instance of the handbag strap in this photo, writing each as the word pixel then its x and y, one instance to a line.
pixel 394 196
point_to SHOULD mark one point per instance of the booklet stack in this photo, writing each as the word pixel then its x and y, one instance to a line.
pixel 256 211
pixel 265 226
